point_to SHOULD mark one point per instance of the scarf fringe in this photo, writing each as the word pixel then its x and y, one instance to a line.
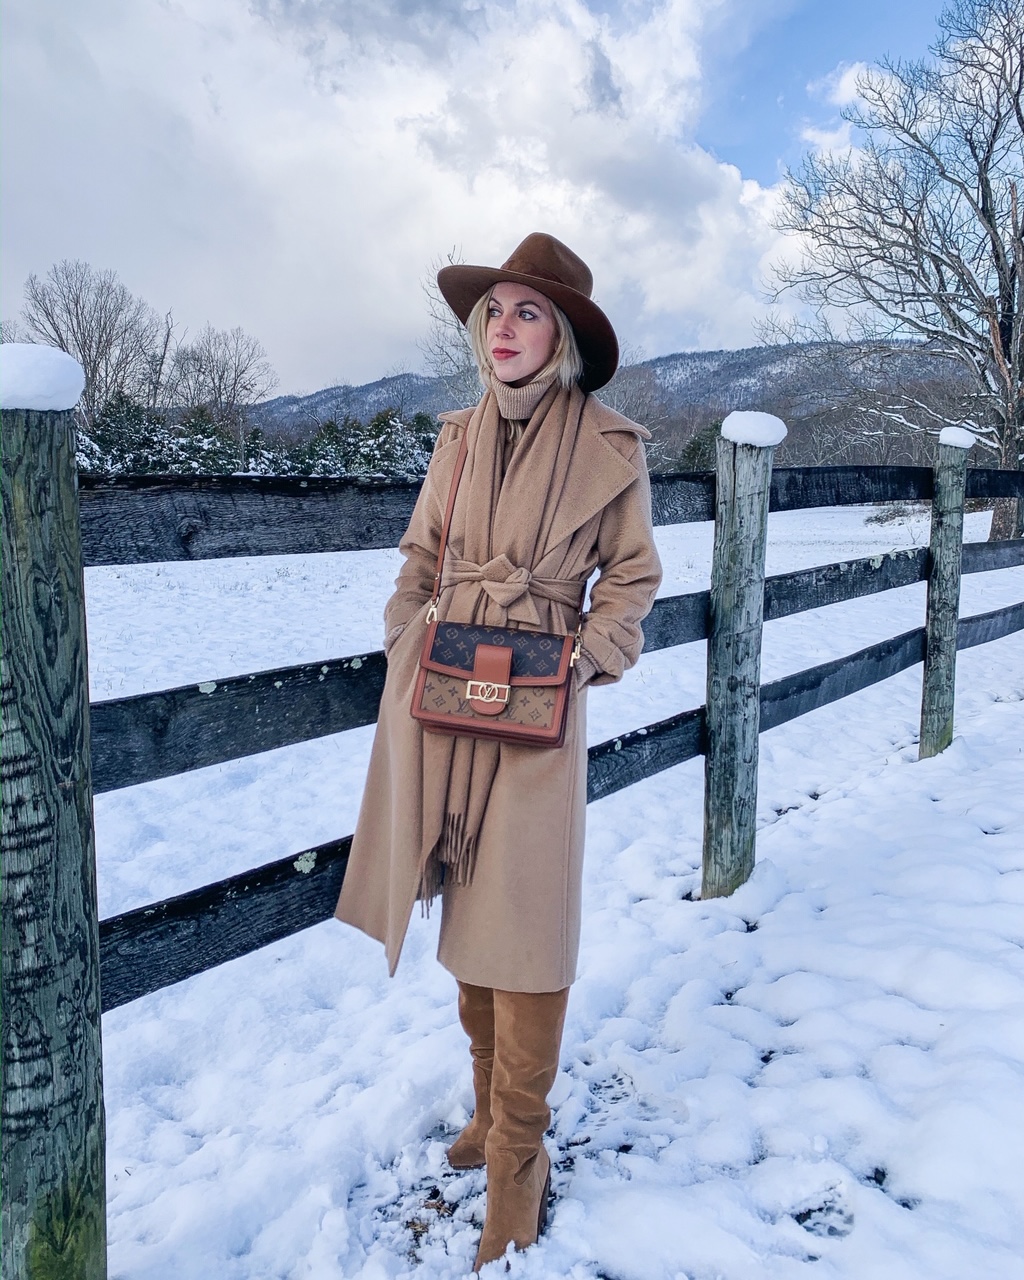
pixel 452 860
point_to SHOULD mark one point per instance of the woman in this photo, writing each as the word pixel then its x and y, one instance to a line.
pixel 555 486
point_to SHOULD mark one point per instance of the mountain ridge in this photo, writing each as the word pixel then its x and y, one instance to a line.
pixel 725 379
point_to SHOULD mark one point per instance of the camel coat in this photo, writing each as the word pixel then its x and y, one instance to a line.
pixel 516 926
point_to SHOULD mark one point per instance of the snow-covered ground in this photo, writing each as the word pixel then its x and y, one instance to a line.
pixel 821 1076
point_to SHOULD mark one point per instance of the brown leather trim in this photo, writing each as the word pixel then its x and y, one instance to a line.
pixel 560 676
pixel 491 667
pixel 478 727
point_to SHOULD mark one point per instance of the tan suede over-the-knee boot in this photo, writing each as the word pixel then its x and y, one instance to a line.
pixel 527 1038
pixel 476 1013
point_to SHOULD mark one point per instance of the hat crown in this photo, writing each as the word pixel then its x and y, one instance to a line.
pixel 546 258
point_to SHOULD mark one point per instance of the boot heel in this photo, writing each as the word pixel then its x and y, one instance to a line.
pixel 542 1213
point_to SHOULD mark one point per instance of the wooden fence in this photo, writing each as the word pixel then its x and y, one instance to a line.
pixel 61 965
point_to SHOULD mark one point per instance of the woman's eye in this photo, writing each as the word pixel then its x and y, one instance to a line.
pixel 528 315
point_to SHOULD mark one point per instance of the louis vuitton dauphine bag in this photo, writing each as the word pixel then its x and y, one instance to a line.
pixel 492 682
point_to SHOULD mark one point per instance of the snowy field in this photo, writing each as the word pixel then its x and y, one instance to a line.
pixel 821 1076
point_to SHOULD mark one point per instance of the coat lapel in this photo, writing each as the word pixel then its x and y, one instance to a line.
pixel 597 472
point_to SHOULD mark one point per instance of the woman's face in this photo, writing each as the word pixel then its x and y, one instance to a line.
pixel 521 332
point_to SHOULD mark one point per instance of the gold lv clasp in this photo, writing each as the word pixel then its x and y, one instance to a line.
pixel 485 691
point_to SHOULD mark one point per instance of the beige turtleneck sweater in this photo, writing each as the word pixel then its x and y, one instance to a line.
pixel 516 406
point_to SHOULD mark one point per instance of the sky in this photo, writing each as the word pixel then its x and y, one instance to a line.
pixel 295 167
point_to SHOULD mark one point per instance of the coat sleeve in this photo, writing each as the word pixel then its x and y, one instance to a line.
pixel 630 573
pixel 419 545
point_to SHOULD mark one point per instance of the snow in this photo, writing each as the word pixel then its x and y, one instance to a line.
pixel 747 426
pixel 959 437
pixel 38 377
pixel 822 1075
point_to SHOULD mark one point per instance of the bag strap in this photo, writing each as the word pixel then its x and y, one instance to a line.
pixel 460 463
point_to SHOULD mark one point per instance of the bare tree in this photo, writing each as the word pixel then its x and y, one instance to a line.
pixel 159 359
pixel 398 391
pixel 94 317
pixel 446 348
pixel 916 233
pixel 224 372
pixel 11 331
pixel 635 392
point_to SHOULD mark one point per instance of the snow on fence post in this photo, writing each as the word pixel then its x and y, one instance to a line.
pixel 54 1192
pixel 744 472
pixel 943 609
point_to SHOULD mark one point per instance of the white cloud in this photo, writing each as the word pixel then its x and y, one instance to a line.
pixel 838 138
pixel 293 168
pixel 839 87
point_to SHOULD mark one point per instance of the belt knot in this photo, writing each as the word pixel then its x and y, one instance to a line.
pixel 514 587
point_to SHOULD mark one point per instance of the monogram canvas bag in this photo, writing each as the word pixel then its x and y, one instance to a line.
pixel 501 683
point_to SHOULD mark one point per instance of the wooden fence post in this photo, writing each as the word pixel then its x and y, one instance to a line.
pixel 743 480
pixel 54 1192
pixel 943 609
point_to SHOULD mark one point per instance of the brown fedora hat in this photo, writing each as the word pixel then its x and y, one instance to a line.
pixel 555 271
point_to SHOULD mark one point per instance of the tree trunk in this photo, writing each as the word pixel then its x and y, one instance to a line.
pixel 1008 513
pixel 1006 520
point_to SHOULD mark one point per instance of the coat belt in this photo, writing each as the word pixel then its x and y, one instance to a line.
pixel 513 587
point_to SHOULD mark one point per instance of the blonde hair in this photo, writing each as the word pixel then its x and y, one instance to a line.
pixel 566 363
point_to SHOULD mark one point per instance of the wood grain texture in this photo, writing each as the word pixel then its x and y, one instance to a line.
pixel 156 735
pixel 185 728
pixel 984 627
pixel 621 761
pixel 144 519
pixel 141 519
pixel 683 497
pixel 943 606
pixel 799 488
pixel 158 945
pixel 166 942
pixel 682 619
pixel 989 482
pixel 53 1184
pixel 734 665
pixel 676 620
pixel 804 691
pixel 789 593
pixel 981 557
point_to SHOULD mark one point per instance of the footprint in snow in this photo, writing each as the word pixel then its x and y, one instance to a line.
pixel 830 1217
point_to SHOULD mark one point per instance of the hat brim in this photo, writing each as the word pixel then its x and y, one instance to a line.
pixel 462 287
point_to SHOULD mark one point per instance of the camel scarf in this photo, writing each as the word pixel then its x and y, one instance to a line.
pixel 505 516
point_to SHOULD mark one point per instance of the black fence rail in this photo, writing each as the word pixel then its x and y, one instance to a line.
pixel 156 735
pixel 144 519
pixel 154 946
